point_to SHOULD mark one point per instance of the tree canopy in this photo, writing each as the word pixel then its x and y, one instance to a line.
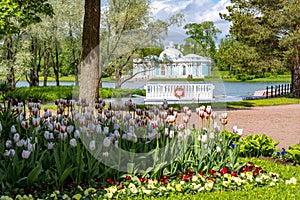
pixel 272 28
pixel 204 35
pixel 18 14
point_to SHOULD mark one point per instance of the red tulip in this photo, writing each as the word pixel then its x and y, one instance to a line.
pixel 223 170
pixel 211 171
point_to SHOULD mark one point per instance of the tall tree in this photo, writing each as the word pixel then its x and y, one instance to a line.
pixel 89 83
pixel 128 25
pixel 203 34
pixel 273 29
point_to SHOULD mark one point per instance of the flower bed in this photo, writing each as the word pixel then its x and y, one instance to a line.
pixel 115 152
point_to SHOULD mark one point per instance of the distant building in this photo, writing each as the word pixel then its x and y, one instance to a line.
pixel 171 63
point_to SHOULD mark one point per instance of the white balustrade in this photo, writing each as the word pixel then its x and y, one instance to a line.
pixel 158 92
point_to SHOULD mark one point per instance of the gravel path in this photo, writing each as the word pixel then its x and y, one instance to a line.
pixel 282 123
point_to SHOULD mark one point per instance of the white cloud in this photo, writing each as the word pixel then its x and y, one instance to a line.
pixel 196 11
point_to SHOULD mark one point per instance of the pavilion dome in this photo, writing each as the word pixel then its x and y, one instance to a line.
pixel 171 53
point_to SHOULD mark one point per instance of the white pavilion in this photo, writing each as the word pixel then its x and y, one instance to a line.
pixel 171 63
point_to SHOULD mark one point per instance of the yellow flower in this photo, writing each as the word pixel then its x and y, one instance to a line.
pixel 249 176
pixel 151 184
pixel 169 187
pixel 196 186
pixel 226 183
pixel 147 192
pixel 163 188
pixel 80 188
pixel 65 196
pixel 194 178
pixel 6 198
pixel 238 181
pixel 17 197
pixel 259 180
pixel 89 190
pixel 272 183
pixel 178 187
pixel 228 176
pixel 131 185
pixel 133 190
pixel 291 181
pixel 265 177
pixel 77 196
pixel 209 185
pixel 111 189
pixel 109 195
pixel 53 195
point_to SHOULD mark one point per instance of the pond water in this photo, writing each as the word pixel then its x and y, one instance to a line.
pixel 226 91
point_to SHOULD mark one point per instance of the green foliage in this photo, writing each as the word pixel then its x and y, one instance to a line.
pixel 16 15
pixel 230 136
pixel 294 152
pixel 272 40
pixel 257 145
pixel 51 93
pixel 204 35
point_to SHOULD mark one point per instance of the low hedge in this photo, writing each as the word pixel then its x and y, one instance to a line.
pixel 51 93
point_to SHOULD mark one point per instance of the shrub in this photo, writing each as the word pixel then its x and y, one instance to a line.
pixel 257 145
pixel 294 152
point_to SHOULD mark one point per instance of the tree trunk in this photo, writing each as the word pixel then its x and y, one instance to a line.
pixel 74 59
pixel 9 56
pixel 34 71
pixel 118 77
pixel 295 71
pixel 46 65
pixel 89 83
pixel 56 64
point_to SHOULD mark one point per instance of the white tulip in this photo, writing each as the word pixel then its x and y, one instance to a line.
pixel 50 145
pixel 76 134
pixel 25 154
pixel 13 129
pixel 204 138
pixel 8 144
pixel 106 142
pixel 73 142
pixel 16 137
pixel 218 149
pixel 92 145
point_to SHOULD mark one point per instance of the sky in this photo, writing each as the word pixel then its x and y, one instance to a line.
pixel 195 11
